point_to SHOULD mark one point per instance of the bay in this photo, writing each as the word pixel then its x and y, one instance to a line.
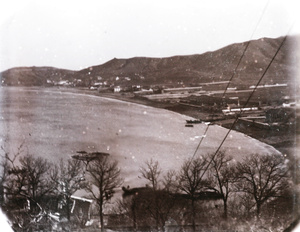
pixel 54 123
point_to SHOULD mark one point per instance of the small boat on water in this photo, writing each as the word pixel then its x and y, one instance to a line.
pixel 194 121
pixel 189 125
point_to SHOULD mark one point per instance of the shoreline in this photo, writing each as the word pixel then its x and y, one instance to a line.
pixel 285 141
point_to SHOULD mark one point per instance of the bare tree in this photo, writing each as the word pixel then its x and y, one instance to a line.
pixel 170 181
pixel 105 176
pixel 31 178
pixel 151 172
pixel 191 181
pixel 27 187
pixel 159 205
pixel 69 177
pixel 4 167
pixel 222 176
pixel 152 203
pixel 128 209
pixel 263 177
pixel 37 172
pixel 7 166
pixel 148 206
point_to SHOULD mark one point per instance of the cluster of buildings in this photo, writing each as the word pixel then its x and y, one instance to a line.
pixel 256 112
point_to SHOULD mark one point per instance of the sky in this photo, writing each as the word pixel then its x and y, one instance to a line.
pixel 78 34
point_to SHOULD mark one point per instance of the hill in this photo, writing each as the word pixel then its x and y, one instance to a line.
pixel 207 67
pixel 34 76
pixel 189 70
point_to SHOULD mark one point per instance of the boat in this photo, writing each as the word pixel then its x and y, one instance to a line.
pixel 194 121
pixel 189 125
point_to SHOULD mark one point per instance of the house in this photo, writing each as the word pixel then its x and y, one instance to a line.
pixel 96 85
pixel 239 110
pixel 117 89
pixel 81 209
pixel 268 86
pixel 63 83
pixel 143 92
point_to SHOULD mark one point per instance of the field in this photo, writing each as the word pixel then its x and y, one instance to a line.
pixel 55 124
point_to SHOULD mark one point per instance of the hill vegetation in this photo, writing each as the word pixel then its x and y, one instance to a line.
pixel 188 70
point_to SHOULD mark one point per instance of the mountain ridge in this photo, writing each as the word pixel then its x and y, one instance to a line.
pixel 210 66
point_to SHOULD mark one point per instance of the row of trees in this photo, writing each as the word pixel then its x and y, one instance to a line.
pixel 257 181
pixel 252 183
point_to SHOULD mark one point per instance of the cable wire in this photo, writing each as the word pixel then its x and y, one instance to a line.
pixel 246 47
pixel 251 94
pixel 234 72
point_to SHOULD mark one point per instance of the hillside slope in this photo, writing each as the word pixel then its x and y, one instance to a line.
pixel 192 69
pixel 34 76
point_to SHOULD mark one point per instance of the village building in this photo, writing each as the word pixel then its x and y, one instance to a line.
pixel 81 209
pixel 117 89
pixel 96 85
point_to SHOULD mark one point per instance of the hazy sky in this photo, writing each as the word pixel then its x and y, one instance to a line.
pixel 78 34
